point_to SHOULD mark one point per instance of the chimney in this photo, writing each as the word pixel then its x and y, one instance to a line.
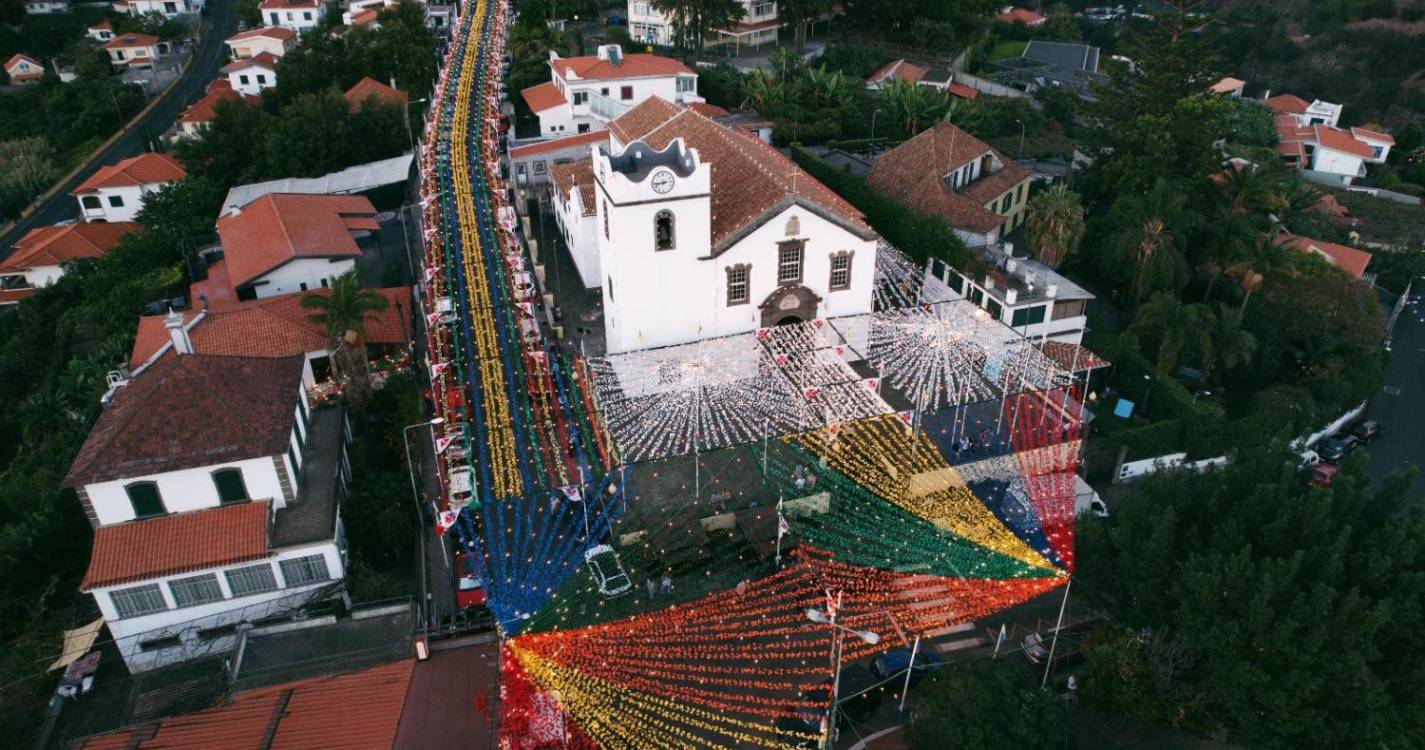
pixel 179 335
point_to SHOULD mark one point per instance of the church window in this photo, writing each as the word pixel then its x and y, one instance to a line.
pixel 840 271
pixel 663 230
pixel 737 284
pixel 789 262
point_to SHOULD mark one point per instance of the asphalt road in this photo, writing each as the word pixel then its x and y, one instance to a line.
pixel 1400 406
pixel 207 59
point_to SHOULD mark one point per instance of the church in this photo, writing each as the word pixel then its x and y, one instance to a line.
pixel 693 230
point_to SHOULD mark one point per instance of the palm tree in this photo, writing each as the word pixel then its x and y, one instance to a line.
pixel 344 311
pixel 1055 224
pixel 1252 189
pixel 1175 328
pixel 1298 200
pixel 1152 253
pixel 1235 345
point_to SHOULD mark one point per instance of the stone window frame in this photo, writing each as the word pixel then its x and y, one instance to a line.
pixel 850 256
pixel 746 270
pixel 800 246
pixel 672 231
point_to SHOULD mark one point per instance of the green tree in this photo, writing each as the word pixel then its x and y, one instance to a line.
pixel 1295 606
pixel 27 167
pixel 694 21
pixel 344 311
pixel 986 705
pixel 1169 328
pixel 1235 345
pixel 1061 25
pixel 1055 224
pixel 1249 189
pixel 229 150
pixel 799 14
pixel 911 107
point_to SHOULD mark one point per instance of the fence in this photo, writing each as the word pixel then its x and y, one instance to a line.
pixel 985 86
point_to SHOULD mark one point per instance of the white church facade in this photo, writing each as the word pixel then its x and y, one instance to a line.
pixel 692 230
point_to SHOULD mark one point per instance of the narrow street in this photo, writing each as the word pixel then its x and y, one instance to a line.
pixel 1400 405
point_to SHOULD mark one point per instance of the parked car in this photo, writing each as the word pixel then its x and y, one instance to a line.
pixel 1366 430
pixel 607 570
pixel 1337 447
pixel 1323 475
pixel 469 584
pixel 895 661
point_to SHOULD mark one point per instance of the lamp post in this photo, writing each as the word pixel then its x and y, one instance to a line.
pixel 817 616
pixel 874 112
pixel 420 532
pixel 1199 393
pixel 1148 395
pixel 1020 155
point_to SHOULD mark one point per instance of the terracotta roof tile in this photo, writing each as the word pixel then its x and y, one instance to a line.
pixel 279 227
pixel 578 174
pixel 19 58
pixel 369 87
pixel 280 33
pixel 642 119
pixel 750 179
pixel 559 144
pixel 13 296
pixel 271 327
pixel 1287 104
pixel 51 246
pixel 193 410
pixel 1228 85
pixel 101 26
pixel 128 41
pixel 637 65
pixel 542 97
pixel 1374 135
pixel 963 91
pixel 354 711
pixel 707 110
pixel 898 69
pixel 153 547
pixel 1022 15
pixel 1339 140
pixel 914 173
pixel 205 109
pixel 145 169
pixel 1346 258
pixel 265 60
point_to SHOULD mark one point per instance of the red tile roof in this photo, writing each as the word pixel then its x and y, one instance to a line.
pixel 280 33
pixel 1348 259
pixel 637 65
pixel 1339 140
pixel 643 118
pixel 128 41
pixel 1287 104
pixel 544 96
pixel 19 58
pixel 51 246
pixel 271 327
pixel 559 144
pixel 101 26
pixel 265 60
pixel 219 84
pixel 1228 85
pixel 140 550
pixel 898 69
pixel 578 174
pixel 13 296
pixel 279 227
pixel 707 110
pixel 1072 356
pixel 354 711
pixel 751 181
pixel 962 91
pixel 1374 135
pixel 145 169
pixel 290 4
pixel 914 173
pixel 205 109
pixel 1023 15
pixel 193 410
pixel 369 87
pixel 364 18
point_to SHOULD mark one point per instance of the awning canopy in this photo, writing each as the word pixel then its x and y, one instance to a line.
pixel 77 643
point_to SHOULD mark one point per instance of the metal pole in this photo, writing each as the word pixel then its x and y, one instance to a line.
pixel 420 532
pixel 779 531
pixel 835 676
pixel 766 436
pixel 914 649
pixel 1049 663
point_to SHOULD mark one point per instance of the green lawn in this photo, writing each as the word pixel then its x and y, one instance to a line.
pixel 1007 49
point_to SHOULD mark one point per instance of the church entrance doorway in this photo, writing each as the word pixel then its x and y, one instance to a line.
pixel 788 305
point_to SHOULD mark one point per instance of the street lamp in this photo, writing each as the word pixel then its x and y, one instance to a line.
pixel 1199 393
pixel 416 498
pixel 1021 140
pixel 1147 396
pixel 877 111
pixel 817 616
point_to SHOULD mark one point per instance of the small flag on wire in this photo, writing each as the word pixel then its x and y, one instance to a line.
pixel 871 383
pixel 840 350
pixel 442 443
pixel 817 323
pixel 762 333
pixel 573 493
pixel 437 368
pixel 906 416
pixel 810 393
pixel 444 521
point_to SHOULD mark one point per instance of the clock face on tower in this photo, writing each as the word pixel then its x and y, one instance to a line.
pixel 662 181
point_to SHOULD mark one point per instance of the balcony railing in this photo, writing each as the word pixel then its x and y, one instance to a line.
pixel 605 108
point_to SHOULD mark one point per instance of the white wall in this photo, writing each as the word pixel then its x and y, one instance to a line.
pixel 252 80
pixel 42 275
pixel 185 489
pixel 131 195
pixel 257 45
pixel 312 272
pixel 579 235
pixel 1335 162
pixel 124 55
pixel 185 622
pixel 297 20
pixel 570 116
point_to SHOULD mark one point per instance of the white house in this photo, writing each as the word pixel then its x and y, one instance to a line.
pixel 116 192
pixel 24 69
pixel 283 243
pixel 100 32
pixel 298 15
pixel 165 8
pixel 1315 112
pixel 700 231
pixel 1024 294
pixel 585 93
pixel 274 40
pixel 39 257
pixel 134 50
pixel 250 75
pixel 46 7
pixel 199 114
pixel 758 26
pixel 213 489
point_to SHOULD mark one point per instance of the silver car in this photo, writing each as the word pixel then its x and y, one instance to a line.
pixel 608 572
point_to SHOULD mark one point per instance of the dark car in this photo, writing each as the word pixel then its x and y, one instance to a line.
pixel 894 662
pixel 1336 448
pixel 1366 430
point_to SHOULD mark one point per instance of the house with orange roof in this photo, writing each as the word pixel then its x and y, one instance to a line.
pixel 1309 139
pixel 586 93
pixel 134 50
pixel 212 486
pixel 1348 259
pixel 274 40
pixel 1029 18
pixel 24 69
pixel 117 192
pixel 40 256
pixel 252 75
pixel 100 32
pixel 675 206
pixel 200 114
pixel 369 88
pixel 283 243
pixel 895 69
pixel 1229 86
pixel 298 15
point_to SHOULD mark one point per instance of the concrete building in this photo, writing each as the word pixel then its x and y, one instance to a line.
pixel 1024 294
pixel 273 40
pixel 24 69
pixel 586 93
pixel 117 192
pixel 40 256
pixel 758 26
pixel 298 15
pixel 135 50
pixel 252 75
pixel 282 243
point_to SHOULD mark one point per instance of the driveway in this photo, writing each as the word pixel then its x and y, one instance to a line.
pixel 1400 406
pixel 207 59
